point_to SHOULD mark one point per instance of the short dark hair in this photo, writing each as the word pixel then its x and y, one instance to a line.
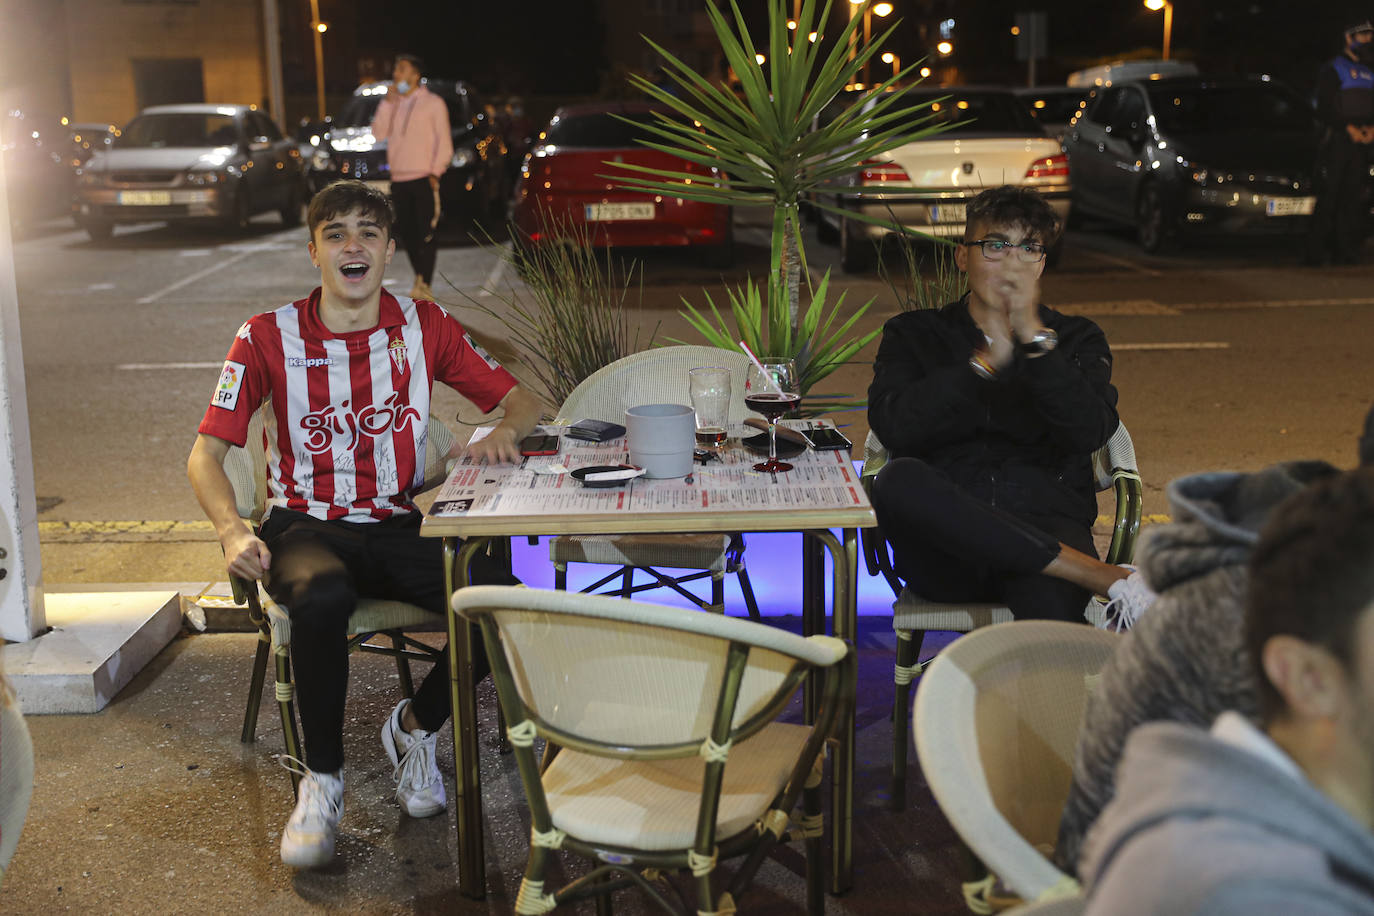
pixel 414 60
pixel 1312 573
pixel 345 196
pixel 1013 206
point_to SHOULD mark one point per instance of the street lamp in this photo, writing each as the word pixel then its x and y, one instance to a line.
pixel 881 9
pixel 894 60
pixel 1168 9
pixel 318 28
pixel 945 48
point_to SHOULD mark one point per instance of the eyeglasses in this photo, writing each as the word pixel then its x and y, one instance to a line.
pixel 997 249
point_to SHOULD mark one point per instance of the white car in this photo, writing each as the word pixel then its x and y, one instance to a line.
pixel 924 186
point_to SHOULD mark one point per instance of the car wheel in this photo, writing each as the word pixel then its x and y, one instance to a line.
pixel 236 220
pixel 855 253
pixel 98 229
pixel 291 213
pixel 1152 222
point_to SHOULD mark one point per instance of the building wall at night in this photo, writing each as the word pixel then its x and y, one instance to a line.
pixel 111 43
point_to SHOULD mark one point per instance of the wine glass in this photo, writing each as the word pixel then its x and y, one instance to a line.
pixel 772 392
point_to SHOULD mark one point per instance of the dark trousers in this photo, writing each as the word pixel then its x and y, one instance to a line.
pixel 1338 223
pixel 948 545
pixel 414 203
pixel 319 570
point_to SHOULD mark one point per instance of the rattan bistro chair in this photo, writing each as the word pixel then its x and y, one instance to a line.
pixel 1114 466
pixel 669 753
pixel 372 620
pixel 657 376
pixel 997 721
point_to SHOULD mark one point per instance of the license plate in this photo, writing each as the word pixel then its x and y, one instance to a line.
pixel 145 198
pixel 383 186
pixel 602 212
pixel 1289 206
pixel 948 213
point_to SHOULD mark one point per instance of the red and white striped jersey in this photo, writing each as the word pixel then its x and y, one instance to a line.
pixel 347 414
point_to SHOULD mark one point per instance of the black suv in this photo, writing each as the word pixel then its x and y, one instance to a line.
pixel 1194 154
pixel 476 185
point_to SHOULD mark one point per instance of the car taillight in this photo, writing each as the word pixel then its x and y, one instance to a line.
pixel 882 170
pixel 1049 167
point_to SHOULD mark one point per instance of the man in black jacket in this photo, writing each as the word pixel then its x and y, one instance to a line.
pixel 1345 108
pixel 992 407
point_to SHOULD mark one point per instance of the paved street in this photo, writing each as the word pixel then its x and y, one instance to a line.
pixel 1228 355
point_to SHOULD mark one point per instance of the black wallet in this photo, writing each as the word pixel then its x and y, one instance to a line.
pixel 595 430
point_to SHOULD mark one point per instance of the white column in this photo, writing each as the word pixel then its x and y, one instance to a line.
pixel 21 588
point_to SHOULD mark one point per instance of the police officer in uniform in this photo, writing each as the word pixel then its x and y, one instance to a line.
pixel 1345 108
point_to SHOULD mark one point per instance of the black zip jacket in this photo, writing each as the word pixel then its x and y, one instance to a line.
pixel 1022 441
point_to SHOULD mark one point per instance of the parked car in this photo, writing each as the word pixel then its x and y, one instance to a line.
pixel 476 185
pixel 925 185
pixel 223 163
pixel 1122 70
pixel 1053 107
pixel 38 181
pixel 564 178
pixel 1194 154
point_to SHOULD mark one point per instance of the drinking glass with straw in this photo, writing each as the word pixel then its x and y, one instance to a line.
pixel 771 390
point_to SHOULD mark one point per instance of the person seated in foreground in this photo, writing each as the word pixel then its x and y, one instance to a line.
pixel 1185 660
pixel 346 374
pixel 1275 818
pixel 992 407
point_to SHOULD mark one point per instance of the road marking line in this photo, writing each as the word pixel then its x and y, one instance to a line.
pixel 498 270
pixel 1174 345
pixel 196 252
pixel 100 287
pixel 198 275
pixel 1119 307
pixel 143 367
pixel 1273 304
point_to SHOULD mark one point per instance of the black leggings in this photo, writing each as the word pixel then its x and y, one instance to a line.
pixel 319 570
pixel 414 203
pixel 948 545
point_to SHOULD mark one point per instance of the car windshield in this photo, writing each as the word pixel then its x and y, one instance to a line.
pixel 155 131
pixel 972 112
pixel 601 130
pixel 1054 107
pixel 358 111
pixel 1217 109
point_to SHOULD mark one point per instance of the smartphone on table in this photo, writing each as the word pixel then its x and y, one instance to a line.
pixel 826 438
pixel 539 444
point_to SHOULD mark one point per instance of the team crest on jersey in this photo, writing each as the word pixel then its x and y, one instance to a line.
pixel 397 350
pixel 230 382
pixel 486 357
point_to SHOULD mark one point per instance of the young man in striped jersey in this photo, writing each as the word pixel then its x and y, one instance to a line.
pixel 344 377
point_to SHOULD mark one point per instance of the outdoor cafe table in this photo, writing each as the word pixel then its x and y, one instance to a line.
pixel 479 503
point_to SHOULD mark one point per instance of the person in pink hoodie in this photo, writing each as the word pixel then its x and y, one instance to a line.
pixel 414 123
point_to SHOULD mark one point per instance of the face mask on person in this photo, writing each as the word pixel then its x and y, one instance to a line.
pixel 403 87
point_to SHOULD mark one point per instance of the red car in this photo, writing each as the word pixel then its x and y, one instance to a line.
pixel 562 177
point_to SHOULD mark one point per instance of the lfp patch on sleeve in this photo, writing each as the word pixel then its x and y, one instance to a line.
pixel 230 382
pixel 486 357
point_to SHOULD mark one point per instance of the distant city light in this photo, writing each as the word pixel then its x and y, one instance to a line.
pixel 888 57
pixel 925 72
pixel 759 59
pixel 1016 30
pixel 945 47
pixel 811 37
pixel 322 27
pixel 792 24
pixel 882 9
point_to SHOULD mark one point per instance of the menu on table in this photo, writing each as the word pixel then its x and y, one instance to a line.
pixel 541 485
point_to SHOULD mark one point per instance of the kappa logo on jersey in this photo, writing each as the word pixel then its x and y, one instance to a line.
pixel 486 357
pixel 323 427
pixel 230 382
pixel 310 362
pixel 397 350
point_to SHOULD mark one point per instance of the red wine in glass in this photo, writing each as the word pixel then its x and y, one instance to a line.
pixel 771 404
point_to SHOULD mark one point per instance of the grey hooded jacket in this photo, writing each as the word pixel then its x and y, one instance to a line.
pixel 1200 826
pixel 1185 660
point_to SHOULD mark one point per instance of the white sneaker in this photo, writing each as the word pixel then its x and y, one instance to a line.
pixel 1129 599
pixel 419 787
pixel 308 838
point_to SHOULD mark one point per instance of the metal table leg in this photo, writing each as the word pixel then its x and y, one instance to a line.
pixel 844 620
pixel 467 803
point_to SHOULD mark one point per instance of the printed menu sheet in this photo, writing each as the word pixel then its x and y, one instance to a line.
pixel 541 485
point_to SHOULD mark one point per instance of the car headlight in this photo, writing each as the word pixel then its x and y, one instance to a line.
pixel 206 177
pixel 462 158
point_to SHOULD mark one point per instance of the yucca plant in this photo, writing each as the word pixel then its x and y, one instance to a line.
pixel 929 278
pixel 763 141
